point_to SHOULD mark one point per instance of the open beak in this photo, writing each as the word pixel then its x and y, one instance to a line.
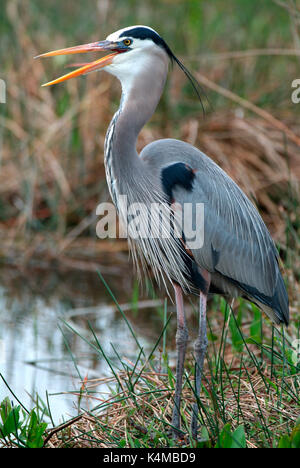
pixel 87 67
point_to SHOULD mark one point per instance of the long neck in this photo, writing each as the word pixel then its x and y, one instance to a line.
pixel 138 103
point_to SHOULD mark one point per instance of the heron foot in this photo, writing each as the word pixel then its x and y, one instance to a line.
pixel 177 434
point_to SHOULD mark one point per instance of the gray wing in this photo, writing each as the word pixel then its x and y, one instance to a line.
pixel 237 245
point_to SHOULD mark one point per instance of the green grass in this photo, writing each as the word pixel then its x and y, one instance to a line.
pixel 250 390
pixel 249 397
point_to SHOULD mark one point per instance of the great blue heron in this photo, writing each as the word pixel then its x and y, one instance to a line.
pixel 238 256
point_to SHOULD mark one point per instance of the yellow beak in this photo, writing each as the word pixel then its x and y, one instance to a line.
pixel 86 68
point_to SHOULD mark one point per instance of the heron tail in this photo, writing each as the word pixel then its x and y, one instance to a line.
pixel 277 307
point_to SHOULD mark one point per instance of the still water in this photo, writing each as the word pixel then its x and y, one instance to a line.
pixel 37 350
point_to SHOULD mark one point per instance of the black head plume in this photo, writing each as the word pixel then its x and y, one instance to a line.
pixel 194 82
pixel 143 32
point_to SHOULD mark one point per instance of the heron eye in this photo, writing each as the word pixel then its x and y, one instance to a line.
pixel 127 42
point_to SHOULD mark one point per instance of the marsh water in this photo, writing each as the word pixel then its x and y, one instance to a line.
pixel 39 354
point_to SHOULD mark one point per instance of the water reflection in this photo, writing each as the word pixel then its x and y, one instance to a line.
pixel 35 358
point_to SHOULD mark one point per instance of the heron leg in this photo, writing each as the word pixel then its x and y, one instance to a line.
pixel 181 344
pixel 200 350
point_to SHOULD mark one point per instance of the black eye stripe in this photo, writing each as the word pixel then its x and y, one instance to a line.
pixel 144 33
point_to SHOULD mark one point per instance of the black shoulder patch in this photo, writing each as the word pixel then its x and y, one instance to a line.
pixel 177 174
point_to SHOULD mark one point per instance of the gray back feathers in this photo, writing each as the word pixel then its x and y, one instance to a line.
pixel 238 251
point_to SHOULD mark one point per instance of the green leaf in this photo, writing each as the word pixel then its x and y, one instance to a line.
pixel 239 438
pixel 284 442
pixel 227 439
pixel 292 441
pixel 5 409
pixel 33 432
pixel 10 417
pixel 204 434
pixel 295 437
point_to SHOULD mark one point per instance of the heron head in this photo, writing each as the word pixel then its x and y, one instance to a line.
pixel 131 50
